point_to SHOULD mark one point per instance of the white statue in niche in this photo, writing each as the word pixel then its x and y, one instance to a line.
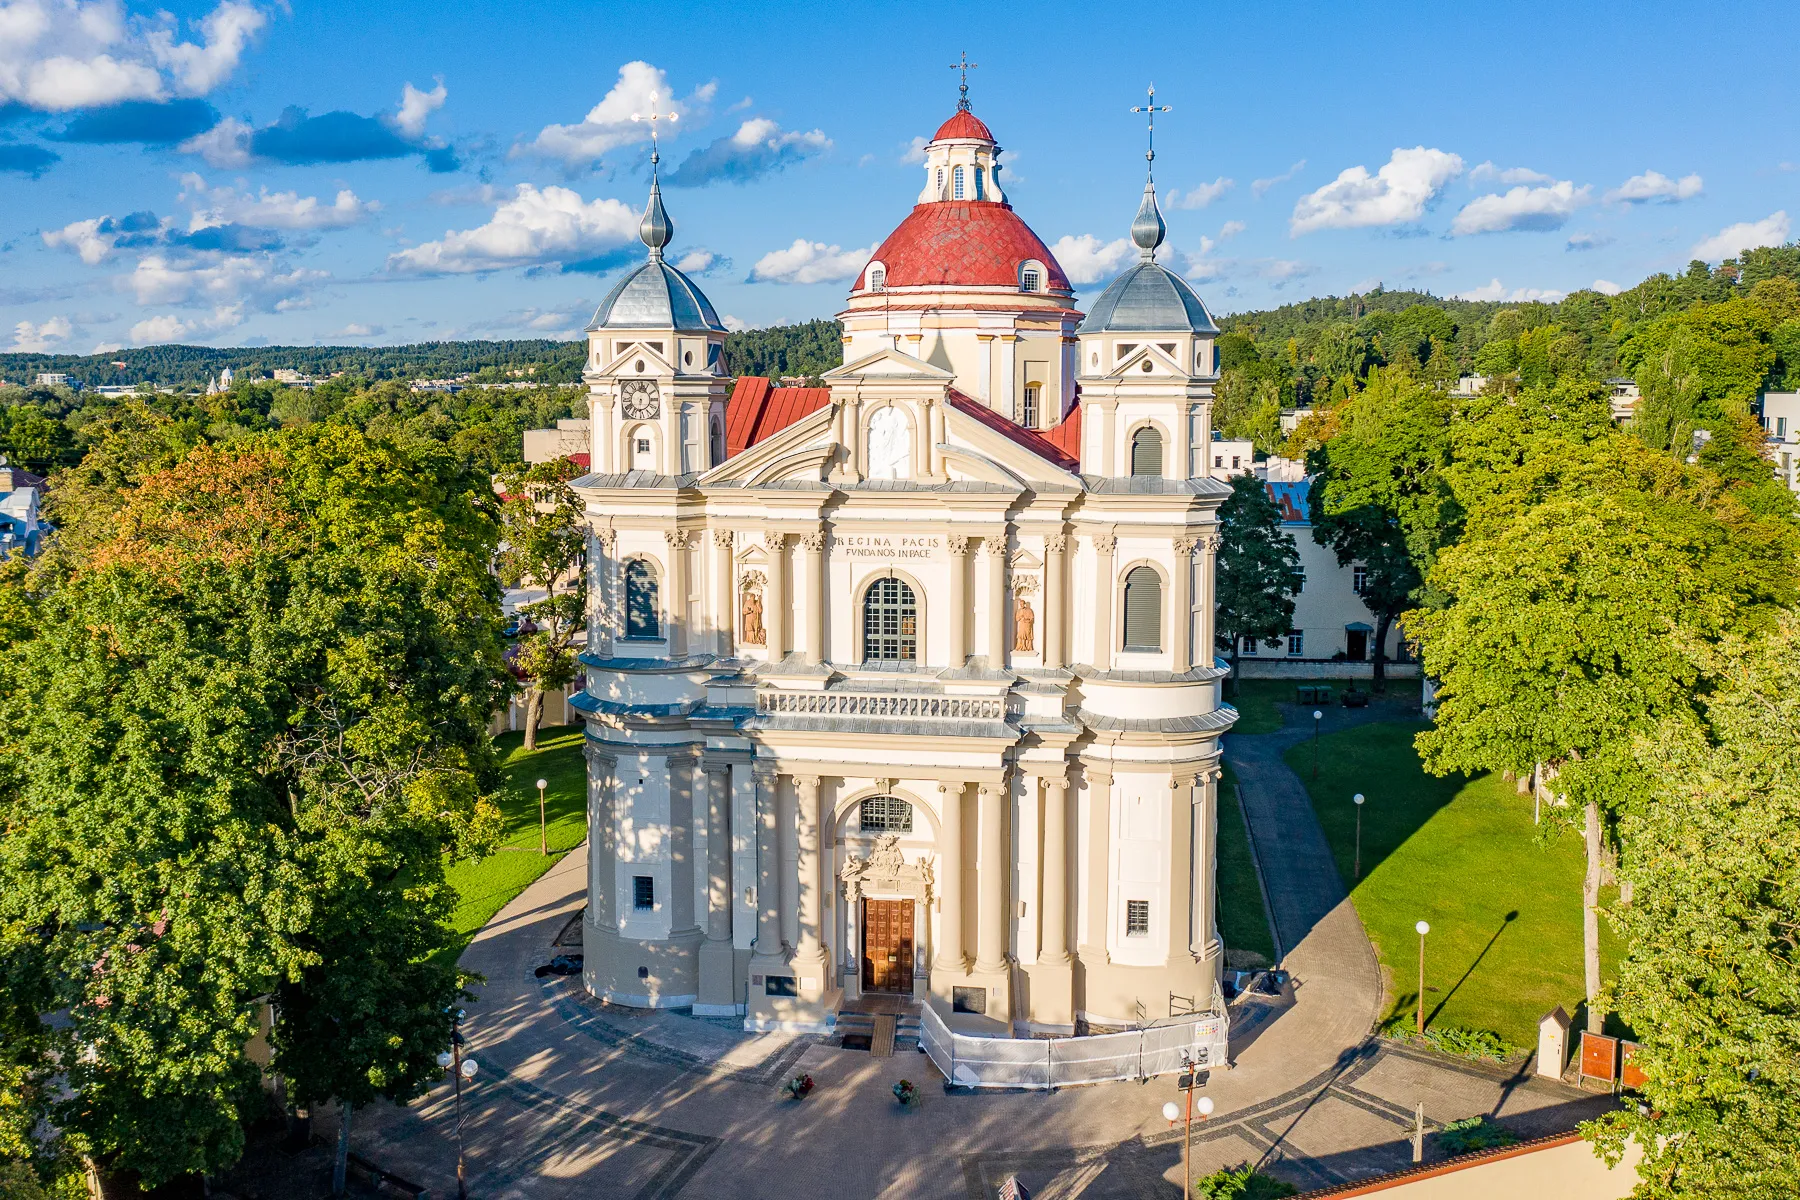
pixel 890 445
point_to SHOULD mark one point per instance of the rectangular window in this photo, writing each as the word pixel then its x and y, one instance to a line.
pixel 1359 580
pixel 1236 461
pixel 1218 460
pixel 1028 281
pixel 643 893
pixel 1296 645
pixel 1780 427
pixel 643 445
pixel 1028 409
pixel 1196 444
pixel 1247 645
pixel 1137 918
pixel 1124 349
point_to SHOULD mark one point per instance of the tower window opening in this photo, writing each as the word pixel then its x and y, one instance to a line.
pixel 956 183
pixel 890 623
pixel 643 618
pixel 1143 609
pixel 1137 918
pixel 1147 451
pixel 939 189
pixel 1028 408
pixel 980 185
pixel 1030 280
pixel 643 892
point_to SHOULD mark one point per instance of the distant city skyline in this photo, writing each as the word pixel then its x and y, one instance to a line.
pixel 244 174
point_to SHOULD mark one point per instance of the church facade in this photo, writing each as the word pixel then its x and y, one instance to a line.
pixel 905 684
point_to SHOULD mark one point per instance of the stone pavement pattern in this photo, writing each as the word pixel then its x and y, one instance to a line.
pixel 581 1099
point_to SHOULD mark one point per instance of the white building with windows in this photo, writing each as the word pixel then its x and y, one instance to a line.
pixel 1781 425
pixel 904 684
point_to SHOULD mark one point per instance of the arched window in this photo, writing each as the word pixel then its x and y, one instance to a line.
pixel 718 442
pixel 980 185
pixel 956 183
pixel 1143 609
pixel 885 814
pixel 877 279
pixel 1030 280
pixel 643 610
pixel 1147 451
pixel 940 183
pixel 890 623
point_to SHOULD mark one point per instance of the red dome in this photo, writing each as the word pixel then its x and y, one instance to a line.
pixel 963 124
pixel 972 243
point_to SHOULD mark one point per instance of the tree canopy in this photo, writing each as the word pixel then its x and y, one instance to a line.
pixel 1257 572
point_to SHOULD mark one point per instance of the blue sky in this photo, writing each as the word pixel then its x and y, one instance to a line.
pixel 304 172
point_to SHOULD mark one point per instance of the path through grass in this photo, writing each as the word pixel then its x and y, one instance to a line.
pixel 1504 903
pixel 1243 918
pixel 486 886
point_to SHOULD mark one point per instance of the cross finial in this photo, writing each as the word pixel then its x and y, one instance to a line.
pixel 1151 108
pixel 653 118
pixel 964 66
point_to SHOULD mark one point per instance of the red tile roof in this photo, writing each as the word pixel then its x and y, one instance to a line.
pixel 757 410
pixel 583 460
pixel 964 242
pixel 1067 436
pixel 963 124
pixel 1037 443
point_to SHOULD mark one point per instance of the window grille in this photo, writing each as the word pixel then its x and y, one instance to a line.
pixel 643 445
pixel 886 814
pixel 643 893
pixel 890 623
pixel 1143 609
pixel 1147 452
pixel 956 183
pixel 1296 645
pixel 1137 918
pixel 642 616
pixel 1028 410
pixel 1030 280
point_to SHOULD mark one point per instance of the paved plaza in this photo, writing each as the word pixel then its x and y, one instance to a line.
pixel 579 1099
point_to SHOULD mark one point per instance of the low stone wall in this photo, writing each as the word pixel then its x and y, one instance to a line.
pixel 1321 668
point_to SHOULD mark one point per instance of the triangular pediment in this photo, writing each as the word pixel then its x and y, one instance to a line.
pixel 888 364
pixel 655 363
pixel 1147 361
pixel 1016 461
pixel 801 451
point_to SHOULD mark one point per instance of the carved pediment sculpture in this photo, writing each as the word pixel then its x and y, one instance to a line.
pixel 885 870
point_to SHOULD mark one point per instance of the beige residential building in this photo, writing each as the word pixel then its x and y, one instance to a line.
pixel 905 684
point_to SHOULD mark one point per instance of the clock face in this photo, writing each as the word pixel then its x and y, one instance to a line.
pixel 640 399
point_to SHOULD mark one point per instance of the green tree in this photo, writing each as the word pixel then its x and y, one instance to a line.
pixel 1565 604
pixel 1710 982
pixel 1378 496
pixel 1258 571
pixel 546 546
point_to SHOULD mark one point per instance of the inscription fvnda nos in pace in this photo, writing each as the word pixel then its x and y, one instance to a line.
pixel 887 547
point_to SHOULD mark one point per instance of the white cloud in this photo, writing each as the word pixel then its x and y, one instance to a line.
pixel 1606 287
pixel 1259 187
pixel 1487 171
pixel 1277 272
pixel 226 145
pixel 1588 241
pixel 699 261
pixel 1522 208
pixel 271 210
pixel 1200 197
pixel 164 328
pixel 106 347
pixel 358 329
pixel 415 106
pixel 536 226
pixel 42 337
pixel 1495 290
pixel 227 281
pixel 1395 195
pixel 608 125
pixel 1231 229
pixel 57 55
pixel 1654 185
pixel 1733 240
pixel 734 324
pixel 91 240
pixel 915 151
pixel 1087 259
pixel 758 147
pixel 809 262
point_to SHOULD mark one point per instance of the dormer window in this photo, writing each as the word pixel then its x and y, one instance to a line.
pixel 1030 280
pixel 956 183
pixel 877 278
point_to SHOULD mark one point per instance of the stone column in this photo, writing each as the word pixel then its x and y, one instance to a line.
pixel 934 413
pixel 950 954
pixel 768 864
pixel 809 954
pixel 994 547
pixel 993 874
pixel 790 865
pixel 1055 580
pixel 1181 605
pixel 1108 411
pixel 676 602
pixel 1205 804
pixel 775 595
pixel 813 591
pixel 602 846
pixel 985 392
pixel 603 602
pixel 681 845
pixel 1053 949
pixel 958 651
pixel 1098 867
pixel 853 441
pixel 1206 645
pixel 717 995
pixel 724 594
pixel 1104 545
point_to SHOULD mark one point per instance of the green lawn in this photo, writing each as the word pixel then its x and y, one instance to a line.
pixel 1255 699
pixel 1504 903
pixel 1243 920
pixel 485 886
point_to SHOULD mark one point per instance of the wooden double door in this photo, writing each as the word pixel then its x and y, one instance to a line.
pixel 887 946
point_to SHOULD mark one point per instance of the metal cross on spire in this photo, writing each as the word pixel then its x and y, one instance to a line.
pixel 653 118
pixel 1151 108
pixel 964 66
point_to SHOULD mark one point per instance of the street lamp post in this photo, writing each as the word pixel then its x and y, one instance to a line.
pixel 460 1069
pixel 1358 801
pixel 1317 717
pixel 1190 1082
pixel 543 827
pixel 1423 928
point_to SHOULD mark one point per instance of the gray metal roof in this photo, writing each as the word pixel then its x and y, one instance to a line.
pixel 656 296
pixel 1149 298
